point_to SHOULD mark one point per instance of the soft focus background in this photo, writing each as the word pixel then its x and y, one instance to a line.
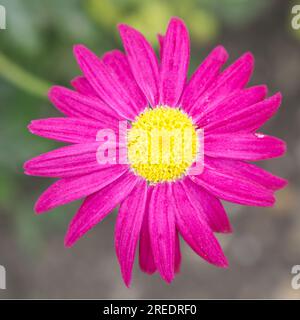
pixel 36 51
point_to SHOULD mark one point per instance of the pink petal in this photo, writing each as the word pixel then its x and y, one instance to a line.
pixel 74 104
pixel 128 226
pixel 146 259
pixel 73 130
pixel 98 205
pixel 208 207
pixel 119 66
pixel 142 60
pixel 227 186
pixel 65 162
pixel 243 146
pixel 235 77
pixel 177 261
pixel 70 189
pixel 236 102
pixel 162 230
pixel 244 170
pixel 174 63
pixel 81 85
pixel 194 229
pixel 105 82
pixel 207 72
pixel 248 119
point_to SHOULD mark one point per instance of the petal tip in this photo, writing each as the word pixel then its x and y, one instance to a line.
pixel 26 168
pixel 271 202
pixel 148 270
pixel 112 53
pixel 38 208
pixel 41 205
pixel 221 53
pixel 248 56
pixel 69 240
pixel 123 28
pixel 283 148
pixel 228 229
pixel 223 262
pixel 80 51
pixel 26 165
pixel 168 278
pixel 26 172
pixel 278 98
pixel 77 48
pixel 283 184
pixel 68 243
pixel 178 23
pixel 32 126
pixel 54 92
pixel 176 19
pixel 264 90
pixel 249 59
pixel 127 280
pixel 75 81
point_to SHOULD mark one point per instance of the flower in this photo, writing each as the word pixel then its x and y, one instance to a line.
pixel 163 199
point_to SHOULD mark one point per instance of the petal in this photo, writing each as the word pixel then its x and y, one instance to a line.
pixel 81 85
pixel 73 130
pixel 105 83
pixel 248 119
pixel 177 261
pixel 128 226
pixel 244 146
pixel 174 63
pixel 207 72
pixel 208 207
pixel 248 171
pixel 229 187
pixel 194 229
pixel 235 77
pixel 146 259
pixel 236 102
pixel 65 162
pixel 70 189
pixel 74 104
pixel 142 60
pixel 98 205
pixel 162 230
pixel 119 66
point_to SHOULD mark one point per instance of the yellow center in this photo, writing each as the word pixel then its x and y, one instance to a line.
pixel 162 144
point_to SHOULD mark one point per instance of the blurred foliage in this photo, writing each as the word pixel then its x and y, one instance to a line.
pixel 36 50
pixel 204 17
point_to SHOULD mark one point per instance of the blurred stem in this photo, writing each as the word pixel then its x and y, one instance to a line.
pixel 22 78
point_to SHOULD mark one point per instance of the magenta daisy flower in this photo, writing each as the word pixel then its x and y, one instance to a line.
pixel 167 198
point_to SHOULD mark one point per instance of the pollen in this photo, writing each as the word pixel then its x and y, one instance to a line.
pixel 162 144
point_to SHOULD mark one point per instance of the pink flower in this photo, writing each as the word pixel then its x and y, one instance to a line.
pixel 159 201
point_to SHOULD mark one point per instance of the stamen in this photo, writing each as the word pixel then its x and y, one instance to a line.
pixel 162 144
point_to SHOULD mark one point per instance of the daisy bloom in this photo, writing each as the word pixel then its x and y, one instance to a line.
pixel 165 190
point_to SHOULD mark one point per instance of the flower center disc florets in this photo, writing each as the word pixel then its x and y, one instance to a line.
pixel 162 144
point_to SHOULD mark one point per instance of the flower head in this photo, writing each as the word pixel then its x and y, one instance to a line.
pixel 172 125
